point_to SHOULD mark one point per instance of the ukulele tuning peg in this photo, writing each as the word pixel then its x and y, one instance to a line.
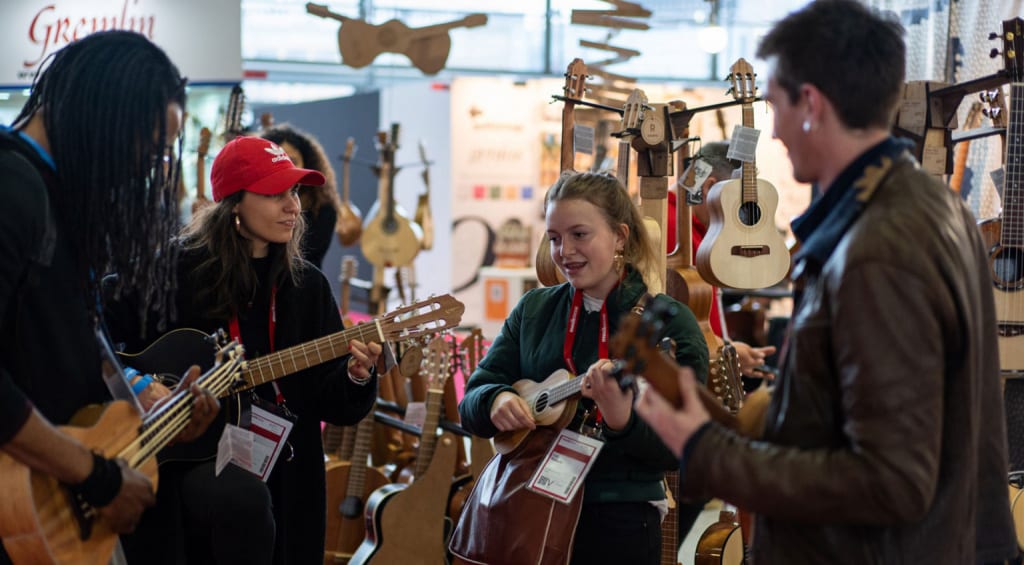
pixel 993 53
pixel 993 35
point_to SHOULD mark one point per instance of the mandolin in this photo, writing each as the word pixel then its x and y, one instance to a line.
pixel 204 147
pixel 743 248
pixel 186 345
pixel 427 47
pixel 389 238
pixel 575 89
pixel 350 221
pixel 39 521
pixel 405 523
pixel 423 216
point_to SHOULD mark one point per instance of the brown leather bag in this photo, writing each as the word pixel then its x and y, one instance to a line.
pixel 504 523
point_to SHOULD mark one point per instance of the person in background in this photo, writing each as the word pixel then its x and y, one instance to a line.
pixel 884 441
pixel 88 171
pixel 320 203
pixel 601 247
pixel 240 268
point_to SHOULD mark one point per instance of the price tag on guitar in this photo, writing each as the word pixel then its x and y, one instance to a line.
pixel 567 463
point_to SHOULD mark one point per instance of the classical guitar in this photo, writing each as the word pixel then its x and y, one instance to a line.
pixel 423 216
pixel 349 486
pixel 427 47
pixel 575 89
pixel 389 238
pixel 1005 235
pixel 350 221
pixel 204 147
pixel 39 520
pixel 405 523
pixel 743 248
pixel 186 345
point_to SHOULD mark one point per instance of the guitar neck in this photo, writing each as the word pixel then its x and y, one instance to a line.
pixel 622 163
pixel 682 256
pixel 468 21
pixel 428 436
pixel 1013 190
pixel 201 178
pixel 360 455
pixel 285 362
pixel 749 167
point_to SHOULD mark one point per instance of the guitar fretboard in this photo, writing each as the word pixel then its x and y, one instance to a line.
pixel 360 454
pixel 1013 191
pixel 749 167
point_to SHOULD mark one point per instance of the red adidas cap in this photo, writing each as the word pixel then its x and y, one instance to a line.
pixel 257 165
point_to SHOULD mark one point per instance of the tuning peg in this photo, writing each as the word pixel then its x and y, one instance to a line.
pixel 993 53
pixel 993 35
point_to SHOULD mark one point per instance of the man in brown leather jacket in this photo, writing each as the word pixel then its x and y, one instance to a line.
pixel 885 439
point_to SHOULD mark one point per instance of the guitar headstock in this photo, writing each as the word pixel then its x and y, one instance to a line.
pixel 633 112
pixel 349 265
pixel 204 142
pixel 436 366
pixel 430 316
pixel 318 10
pixel 576 79
pixel 741 76
pixel 995 107
pixel 474 20
pixel 636 347
pixel 1013 48
pixel 426 163
pixel 233 115
pixel 266 120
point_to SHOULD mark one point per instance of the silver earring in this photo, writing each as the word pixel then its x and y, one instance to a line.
pixel 807 126
pixel 238 222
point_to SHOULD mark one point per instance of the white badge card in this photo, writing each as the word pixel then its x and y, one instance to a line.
pixel 234 446
pixel 270 432
pixel 567 463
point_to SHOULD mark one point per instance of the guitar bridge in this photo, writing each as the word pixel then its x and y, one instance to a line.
pixel 750 250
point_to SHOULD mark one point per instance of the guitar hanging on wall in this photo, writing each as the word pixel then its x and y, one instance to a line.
pixel 426 47
pixel 743 248
pixel 350 221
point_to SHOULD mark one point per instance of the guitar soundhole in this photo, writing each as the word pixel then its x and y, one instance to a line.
pixel 750 213
pixel 1008 268
pixel 541 404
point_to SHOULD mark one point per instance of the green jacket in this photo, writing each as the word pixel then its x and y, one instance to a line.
pixel 631 464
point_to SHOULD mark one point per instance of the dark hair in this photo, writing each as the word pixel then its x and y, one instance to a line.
pixel 225 265
pixel 104 104
pixel 313 157
pixel 609 196
pixel 864 74
pixel 715 154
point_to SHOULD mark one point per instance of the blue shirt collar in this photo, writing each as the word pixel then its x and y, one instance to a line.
pixel 43 153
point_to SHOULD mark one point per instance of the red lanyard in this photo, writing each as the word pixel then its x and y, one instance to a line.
pixel 571 329
pixel 236 333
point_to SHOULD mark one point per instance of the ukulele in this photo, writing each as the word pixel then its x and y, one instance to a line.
pixel 349 486
pixel 427 47
pixel 186 345
pixel 575 89
pixel 350 222
pixel 743 248
pixel 389 238
pixel 1004 235
pixel 41 523
pixel 405 523
pixel 423 216
pixel 204 147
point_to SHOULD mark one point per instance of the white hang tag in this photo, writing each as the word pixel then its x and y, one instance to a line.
pixel 701 171
pixel 566 465
pixel 583 139
pixel 234 446
pixel 416 413
pixel 743 145
pixel 270 434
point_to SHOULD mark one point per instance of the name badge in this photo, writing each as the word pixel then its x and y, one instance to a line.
pixel 565 466
pixel 256 450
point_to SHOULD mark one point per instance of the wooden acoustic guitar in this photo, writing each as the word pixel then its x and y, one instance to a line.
pixel 575 89
pixel 405 523
pixel 1004 235
pixel 201 200
pixel 423 216
pixel 481 450
pixel 427 47
pixel 40 522
pixel 389 238
pixel 350 221
pixel 185 346
pixel 743 248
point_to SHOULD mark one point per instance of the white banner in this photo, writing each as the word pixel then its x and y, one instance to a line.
pixel 203 38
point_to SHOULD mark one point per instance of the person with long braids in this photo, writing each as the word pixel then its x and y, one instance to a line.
pixel 240 268
pixel 599 243
pixel 320 204
pixel 87 176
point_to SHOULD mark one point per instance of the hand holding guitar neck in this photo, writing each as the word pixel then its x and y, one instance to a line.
pixel 427 48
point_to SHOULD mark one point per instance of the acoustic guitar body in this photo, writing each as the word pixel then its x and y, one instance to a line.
pixel 429 54
pixel 37 523
pixel 357 44
pixel 346 524
pixel 1006 269
pixel 349 225
pixel 544 412
pixel 720 544
pixel 743 248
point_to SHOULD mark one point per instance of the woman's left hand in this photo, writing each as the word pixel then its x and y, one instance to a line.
pixel 364 356
pixel 615 404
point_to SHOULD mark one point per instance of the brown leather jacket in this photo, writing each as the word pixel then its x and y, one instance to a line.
pixel 885 437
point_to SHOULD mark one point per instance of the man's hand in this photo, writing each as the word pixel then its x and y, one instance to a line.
pixel 674 426
pixel 510 412
pixel 136 494
pixel 752 359
pixel 204 406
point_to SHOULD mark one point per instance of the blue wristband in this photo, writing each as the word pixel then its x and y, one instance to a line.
pixel 141 384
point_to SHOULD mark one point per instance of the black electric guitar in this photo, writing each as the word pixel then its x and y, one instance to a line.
pixel 186 346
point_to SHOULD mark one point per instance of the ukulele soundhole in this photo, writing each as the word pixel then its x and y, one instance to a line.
pixel 750 213
pixel 1008 268
pixel 541 404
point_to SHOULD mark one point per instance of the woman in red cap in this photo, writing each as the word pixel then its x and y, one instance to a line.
pixel 240 268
